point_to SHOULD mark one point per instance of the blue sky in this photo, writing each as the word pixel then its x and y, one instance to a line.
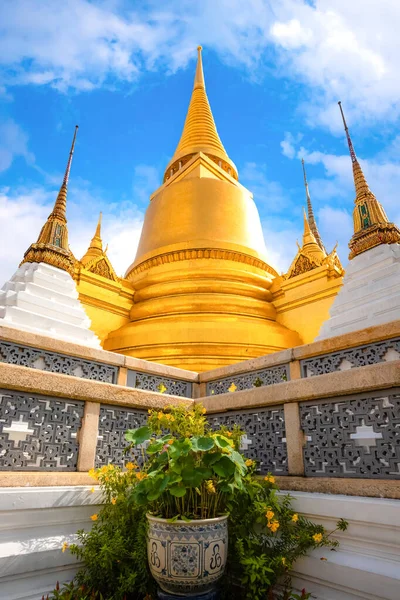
pixel 123 70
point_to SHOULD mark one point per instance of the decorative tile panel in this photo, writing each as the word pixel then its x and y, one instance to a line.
pixel 113 424
pixel 38 433
pixel 370 354
pixel 157 383
pixel 359 437
pixel 16 354
pixel 246 381
pixel 265 439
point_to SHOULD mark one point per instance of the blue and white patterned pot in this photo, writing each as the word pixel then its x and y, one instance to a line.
pixel 187 558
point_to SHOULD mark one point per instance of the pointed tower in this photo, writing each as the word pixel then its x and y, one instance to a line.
pixel 41 296
pixel 199 132
pixel 311 218
pixel 52 244
pixel 309 256
pixel 95 258
pixel 371 225
pixel 201 277
pixel 371 288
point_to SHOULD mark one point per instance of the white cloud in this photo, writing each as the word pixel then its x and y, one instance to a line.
pixel 13 143
pixel 269 195
pixel 280 239
pixel 23 212
pixel 342 50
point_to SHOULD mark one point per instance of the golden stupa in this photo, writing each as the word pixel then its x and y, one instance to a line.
pixel 201 278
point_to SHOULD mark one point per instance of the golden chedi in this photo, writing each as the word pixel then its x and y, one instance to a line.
pixel 201 279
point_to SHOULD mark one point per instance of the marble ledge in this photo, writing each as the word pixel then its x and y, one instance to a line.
pixel 324 387
pixel 49 344
pixel 25 379
pixel 368 488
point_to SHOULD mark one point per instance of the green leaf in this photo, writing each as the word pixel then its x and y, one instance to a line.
pixel 224 467
pixel 177 491
pixel 138 436
pixel 202 444
pixel 155 447
pixel 194 477
pixel 222 441
pixel 210 459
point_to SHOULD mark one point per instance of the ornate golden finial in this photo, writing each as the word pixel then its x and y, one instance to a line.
pixel 199 77
pixel 311 218
pixel 52 244
pixel 199 131
pixel 371 225
pixel 96 245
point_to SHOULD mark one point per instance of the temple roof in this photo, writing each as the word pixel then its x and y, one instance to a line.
pixel 95 258
pixel 52 244
pixel 199 131
pixel 310 255
pixel 371 225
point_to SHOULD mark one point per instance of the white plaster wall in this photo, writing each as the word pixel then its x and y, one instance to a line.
pixel 367 564
pixel 34 522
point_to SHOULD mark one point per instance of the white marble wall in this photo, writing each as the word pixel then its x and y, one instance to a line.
pixel 34 522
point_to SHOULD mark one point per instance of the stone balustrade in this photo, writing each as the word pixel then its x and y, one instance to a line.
pixel 64 408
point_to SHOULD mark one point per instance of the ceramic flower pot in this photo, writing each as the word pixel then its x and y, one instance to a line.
pixel 187 558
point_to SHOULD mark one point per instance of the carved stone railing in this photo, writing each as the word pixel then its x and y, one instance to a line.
pixel 159 383
pixel 247 381
pixel 353 436
pixel 54 362
pixel 38 432
pixel 265 439
pixel 336 426
pixel 368 354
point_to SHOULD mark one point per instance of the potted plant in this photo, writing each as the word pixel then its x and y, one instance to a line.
pixel 189 476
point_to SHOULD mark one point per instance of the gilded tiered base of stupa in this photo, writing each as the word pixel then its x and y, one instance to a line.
pixel 201 313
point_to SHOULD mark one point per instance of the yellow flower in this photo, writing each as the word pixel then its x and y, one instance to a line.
pixel 273 526
pixel 269 478
pixel 232 387
pixel 249 462
pixel 317 538
pixel 92 473
pixel 228 434
pixel 270 515
pixel 64 546
pixel 113 500
pixel 204 411
pixel 92 490
pixel 170 442
pixel 141 476
pixel 130 466
pixel 160 416
pixel 210 487
pixel 172 418
pixel 94 517
pixel 104 469
pixel 295 518
pixel 284 561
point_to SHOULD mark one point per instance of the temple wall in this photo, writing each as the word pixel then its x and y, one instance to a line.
pixel 322 417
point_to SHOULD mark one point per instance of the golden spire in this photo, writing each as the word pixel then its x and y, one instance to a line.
pixel 310 244
pixel 52 244
pixel 199 131
pixel 311 218
pixel 96 245
pixel 371 225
